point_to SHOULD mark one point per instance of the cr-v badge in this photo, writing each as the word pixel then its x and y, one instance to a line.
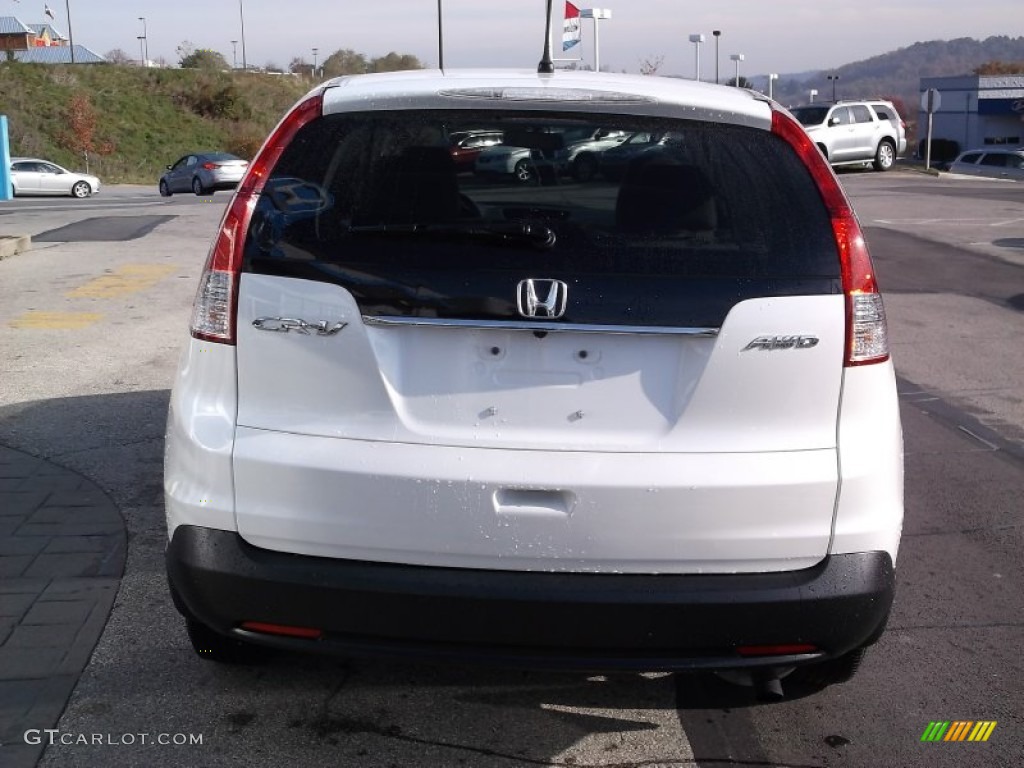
pixel 530 303
pixel 285 324
pixel 768 343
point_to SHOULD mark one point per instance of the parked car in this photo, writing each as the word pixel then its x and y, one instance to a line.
pixel 466 146
pixel 534 152
pixel 203 173
pixel 581 157
pixel 613 162
pixel 856 132
pixel 32 176
pixel 991 162
pixel 645 425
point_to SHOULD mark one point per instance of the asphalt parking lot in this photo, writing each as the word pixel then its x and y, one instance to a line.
pixel 91 323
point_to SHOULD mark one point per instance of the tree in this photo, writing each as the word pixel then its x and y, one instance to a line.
pixel 651 66
pixel 394 62
pixel 299 66
pixel 740 82
pixel 1000 68
pixel 344 62
pixel 190 57
pixel 118 56
pixel 80 136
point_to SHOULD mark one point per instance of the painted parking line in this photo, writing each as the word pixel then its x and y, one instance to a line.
pixel 55 321
pixel 127 279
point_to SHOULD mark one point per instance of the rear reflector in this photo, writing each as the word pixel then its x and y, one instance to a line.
pixel 284 630
pixel 867 340
pixel 215 308
pixel 785 649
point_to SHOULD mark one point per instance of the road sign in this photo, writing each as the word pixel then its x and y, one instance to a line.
pixel 931 100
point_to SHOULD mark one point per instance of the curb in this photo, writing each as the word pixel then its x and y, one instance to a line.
pixel 13 244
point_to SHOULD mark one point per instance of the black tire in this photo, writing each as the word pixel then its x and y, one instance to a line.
pixel 197 186
pixel 524 172
pixel 885 156
pixel 214 646
pixel 584 167
pixel 165 191
pixel 81 189
pixel 831 672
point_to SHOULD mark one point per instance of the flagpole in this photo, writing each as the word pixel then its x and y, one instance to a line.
pixel 71 35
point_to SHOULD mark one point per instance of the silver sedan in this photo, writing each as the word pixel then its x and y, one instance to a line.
pixel 32 176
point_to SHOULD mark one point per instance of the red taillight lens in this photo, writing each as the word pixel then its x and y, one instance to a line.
pixel 210 166
pixel 867 339
pixel 285 630
pixel 215 309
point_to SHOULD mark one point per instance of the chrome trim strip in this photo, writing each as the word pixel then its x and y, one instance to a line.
pixel 519 325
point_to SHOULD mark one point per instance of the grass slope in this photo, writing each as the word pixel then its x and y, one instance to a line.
pixel 144 118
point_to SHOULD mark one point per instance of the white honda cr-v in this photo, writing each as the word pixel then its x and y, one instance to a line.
pixel 643 424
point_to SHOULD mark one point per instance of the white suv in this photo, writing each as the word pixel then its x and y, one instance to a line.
pixel 856 132
pixel 642 424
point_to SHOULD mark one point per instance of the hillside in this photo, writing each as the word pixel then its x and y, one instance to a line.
pixel 897 74
pixel 140 120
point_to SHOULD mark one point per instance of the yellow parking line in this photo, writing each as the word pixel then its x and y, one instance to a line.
pixel 127 279
pixel 55 321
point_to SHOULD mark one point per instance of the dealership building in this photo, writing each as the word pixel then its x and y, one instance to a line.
pixel 975 110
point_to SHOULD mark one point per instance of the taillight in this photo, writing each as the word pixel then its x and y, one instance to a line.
pixel 216 306
pixel 210 166
pixel 867 339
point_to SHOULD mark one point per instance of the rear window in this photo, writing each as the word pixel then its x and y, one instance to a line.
pixel 811 115
pixel 671 228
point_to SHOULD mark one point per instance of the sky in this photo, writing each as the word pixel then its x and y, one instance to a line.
pixel 782 36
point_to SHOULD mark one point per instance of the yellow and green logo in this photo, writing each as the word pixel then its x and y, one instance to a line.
pixel 958 730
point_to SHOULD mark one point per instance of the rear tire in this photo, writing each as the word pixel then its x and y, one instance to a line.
pixel 197 186
pixel 214 646
pixel 524 172
pixel 885 156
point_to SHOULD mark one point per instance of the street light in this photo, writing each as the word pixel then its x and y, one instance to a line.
pixel 717 33
pixel 71 35
pixel 234 54
pixel 145 42
pixel 596 14
pixel 314 61
pixel 142 51
pixel 772 77
pixel 697 40
pixel 737 58
pixel 813 94
pixel 241 18
pixel 834 79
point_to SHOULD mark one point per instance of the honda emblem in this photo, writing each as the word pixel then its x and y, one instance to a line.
pixel 542 298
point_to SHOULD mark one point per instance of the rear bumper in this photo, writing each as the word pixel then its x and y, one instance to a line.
pixel 532 619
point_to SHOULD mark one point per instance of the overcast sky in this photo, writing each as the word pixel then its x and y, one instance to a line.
pixel 781 36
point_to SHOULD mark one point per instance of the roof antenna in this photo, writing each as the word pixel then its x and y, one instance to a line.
pixel 440 43
pixel 546 66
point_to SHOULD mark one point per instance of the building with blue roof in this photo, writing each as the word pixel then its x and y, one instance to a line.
pixel 58 54
pixel 41 44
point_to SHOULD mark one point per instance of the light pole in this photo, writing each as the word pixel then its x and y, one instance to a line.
pixel 142 51
pixel 717 34
pixel 234 54
pixel 241 18
pixel 145 42
pixel 596 14
pixel 696 40
pixel 772 77
pixel 315 50
pixel 834 79
pixel 737 58
pixel 813 94
pixel 71 35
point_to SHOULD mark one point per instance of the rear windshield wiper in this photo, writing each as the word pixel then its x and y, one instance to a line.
pixel 506 233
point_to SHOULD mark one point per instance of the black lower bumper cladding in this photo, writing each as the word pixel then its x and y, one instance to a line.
pixel 534 619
